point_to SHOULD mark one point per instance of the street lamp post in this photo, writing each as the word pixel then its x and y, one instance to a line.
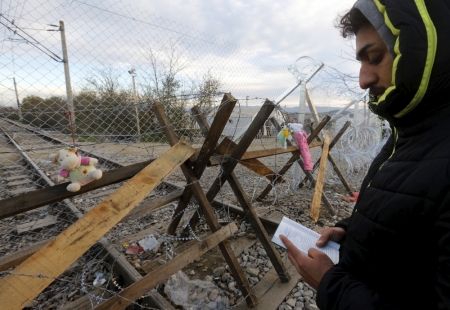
pixel 138 126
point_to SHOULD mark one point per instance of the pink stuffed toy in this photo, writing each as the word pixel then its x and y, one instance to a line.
pixel 302 142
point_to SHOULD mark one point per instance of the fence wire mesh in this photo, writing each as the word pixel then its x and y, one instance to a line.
pixel 119 61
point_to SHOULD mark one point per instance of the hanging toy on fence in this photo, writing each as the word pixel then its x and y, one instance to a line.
pixel 79 170
pixel 302 142
pixel 282 136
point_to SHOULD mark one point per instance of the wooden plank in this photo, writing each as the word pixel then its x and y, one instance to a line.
pixel 228 146
pixel 270 225
pixel 261 233
pixel 17 291
pixel 295 155
pixel 153 205
pixel 137 289
pixel 102 193
pixel 315 205
pixel 245 142
pixel 219 159
pixel 203 201
pixel 36 225
pixel 212 136
pixel 15 258
pixel 51 194
pixel 244 201
pixel 338 172
pixel 271 292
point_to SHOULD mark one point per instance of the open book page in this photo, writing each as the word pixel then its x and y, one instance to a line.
pixel 304 239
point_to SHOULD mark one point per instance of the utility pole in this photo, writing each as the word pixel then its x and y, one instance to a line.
pixel 67 73
pixel 138 126
pixel 17 98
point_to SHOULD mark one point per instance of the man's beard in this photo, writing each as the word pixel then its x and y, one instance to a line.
pixel 375 92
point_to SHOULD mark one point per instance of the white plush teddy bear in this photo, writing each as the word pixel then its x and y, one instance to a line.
pixel 80 170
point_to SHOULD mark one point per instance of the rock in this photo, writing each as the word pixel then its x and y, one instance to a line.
pixel 218 272
pixel 311 307
pixel 226 276
pixel 243 228
pixel 299 305
pixel 192 273
pixel 308 293
pixel 254 272
pixel 161 261
pixel 208 278
pixel 263 253
pixel 71 294
pixel 291 302
pixel 241 234
pixel 213 294
pixel 232 286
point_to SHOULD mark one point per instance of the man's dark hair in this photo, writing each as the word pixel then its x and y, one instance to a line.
pixel 350 23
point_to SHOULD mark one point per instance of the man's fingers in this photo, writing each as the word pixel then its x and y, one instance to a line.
pixel 324 238
pixel 292 249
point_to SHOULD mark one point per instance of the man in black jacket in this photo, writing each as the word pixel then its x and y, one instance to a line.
pixel 395 251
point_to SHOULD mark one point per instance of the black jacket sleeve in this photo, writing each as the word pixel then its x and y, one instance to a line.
pixel 443 254
pixel 340 290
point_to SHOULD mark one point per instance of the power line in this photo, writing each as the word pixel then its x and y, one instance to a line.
pixel 28 41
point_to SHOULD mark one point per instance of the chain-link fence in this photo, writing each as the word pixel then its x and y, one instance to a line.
pixel 91 80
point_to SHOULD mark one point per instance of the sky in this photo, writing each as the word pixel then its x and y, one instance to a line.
pixel 248 45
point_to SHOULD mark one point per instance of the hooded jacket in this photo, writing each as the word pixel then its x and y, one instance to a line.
pixel 396 254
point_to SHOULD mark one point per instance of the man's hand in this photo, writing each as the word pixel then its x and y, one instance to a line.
pixel 311 267
pixel 335 234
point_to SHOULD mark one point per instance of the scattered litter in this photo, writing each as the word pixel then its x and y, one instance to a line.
pixel 148 243
pixel 195 294
pixel 134 249
pixel 99 279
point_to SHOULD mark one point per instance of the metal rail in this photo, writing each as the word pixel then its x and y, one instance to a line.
pixel 123 267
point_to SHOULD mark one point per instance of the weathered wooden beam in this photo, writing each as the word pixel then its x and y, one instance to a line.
pixel 202 200
pixel 13 259
pixel 295 155
pixel 250 212
pixel 219 159
pixel 227 146
pixel 153 205
pixel 245 142
pixel 269 225
pixel 211 138
pixel 23 285
pixel 331 160
pixel 137 289
pixel 318 190
pixel 33 200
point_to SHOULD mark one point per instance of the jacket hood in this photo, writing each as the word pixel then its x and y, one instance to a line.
pixel 421 67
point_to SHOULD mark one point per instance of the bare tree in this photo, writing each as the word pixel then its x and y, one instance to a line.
pixel 207 91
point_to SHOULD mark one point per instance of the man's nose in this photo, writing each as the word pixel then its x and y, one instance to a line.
pixel 367 77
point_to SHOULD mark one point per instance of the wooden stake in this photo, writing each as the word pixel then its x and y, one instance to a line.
pixel 139 288
pixel 315 205
pixel 30 278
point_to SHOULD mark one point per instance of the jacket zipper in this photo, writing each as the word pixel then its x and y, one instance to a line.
pixel 392 154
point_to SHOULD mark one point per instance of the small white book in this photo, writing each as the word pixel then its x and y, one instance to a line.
pixel 304 239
